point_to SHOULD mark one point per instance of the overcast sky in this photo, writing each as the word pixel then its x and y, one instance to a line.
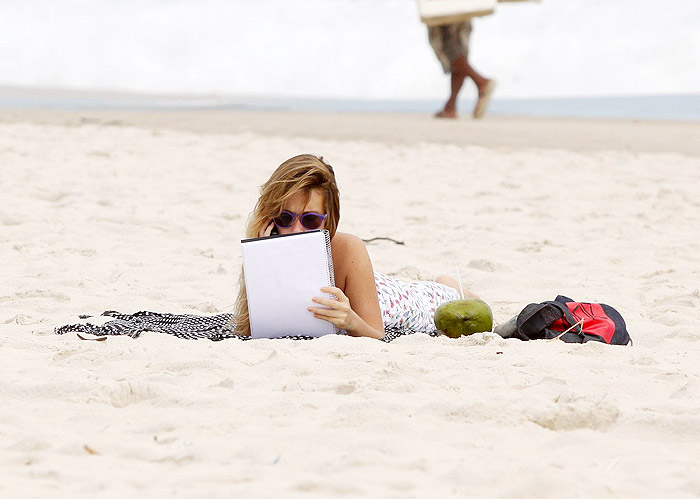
pixel 346 48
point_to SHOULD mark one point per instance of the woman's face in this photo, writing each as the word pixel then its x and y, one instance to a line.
pixel 299 204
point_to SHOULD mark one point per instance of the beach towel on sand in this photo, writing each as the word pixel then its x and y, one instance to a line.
pixel 185 326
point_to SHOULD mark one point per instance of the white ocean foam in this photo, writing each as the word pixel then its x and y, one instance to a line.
pixel 344 48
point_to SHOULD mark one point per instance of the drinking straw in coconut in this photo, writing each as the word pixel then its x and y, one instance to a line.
pixel 460 283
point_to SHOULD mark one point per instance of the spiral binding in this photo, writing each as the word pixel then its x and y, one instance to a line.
pixel 331 270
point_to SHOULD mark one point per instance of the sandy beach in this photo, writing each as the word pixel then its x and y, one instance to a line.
pixel 129 211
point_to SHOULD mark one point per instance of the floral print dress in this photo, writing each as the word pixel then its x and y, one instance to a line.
pixel 410 306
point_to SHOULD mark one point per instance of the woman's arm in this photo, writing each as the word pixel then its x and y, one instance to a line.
pixel 356 309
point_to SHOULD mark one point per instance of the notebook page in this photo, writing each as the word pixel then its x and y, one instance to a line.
pixel 282 275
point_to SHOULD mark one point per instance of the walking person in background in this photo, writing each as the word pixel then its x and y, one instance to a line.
pixel 451 45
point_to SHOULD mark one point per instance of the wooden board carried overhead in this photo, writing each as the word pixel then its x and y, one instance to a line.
pixel 437 12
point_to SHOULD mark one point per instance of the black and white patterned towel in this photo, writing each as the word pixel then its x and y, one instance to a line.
pixel 185 326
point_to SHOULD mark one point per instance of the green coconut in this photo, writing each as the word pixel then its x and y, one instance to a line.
pixel 462 317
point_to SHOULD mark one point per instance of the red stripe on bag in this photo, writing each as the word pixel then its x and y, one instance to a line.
pixel 595 321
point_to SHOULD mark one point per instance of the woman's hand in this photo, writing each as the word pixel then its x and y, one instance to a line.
pixel 266 231
pixel 340 313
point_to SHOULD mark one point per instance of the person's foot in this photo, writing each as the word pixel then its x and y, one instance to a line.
pixel 485 92
pixel 446 114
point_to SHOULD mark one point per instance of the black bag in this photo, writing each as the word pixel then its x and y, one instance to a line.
pixel 570 321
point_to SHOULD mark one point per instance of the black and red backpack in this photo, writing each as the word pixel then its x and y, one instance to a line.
pixel 572 322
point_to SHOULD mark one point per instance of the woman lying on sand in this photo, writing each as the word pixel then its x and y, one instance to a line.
pixel 302 195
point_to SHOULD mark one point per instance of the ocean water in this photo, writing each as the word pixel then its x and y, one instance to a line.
pixel 652 107
pixel 569 56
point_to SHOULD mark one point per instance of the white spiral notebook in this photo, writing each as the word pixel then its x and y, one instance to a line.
pixel 282 274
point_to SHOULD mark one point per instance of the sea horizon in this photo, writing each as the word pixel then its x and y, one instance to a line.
pixel 679 107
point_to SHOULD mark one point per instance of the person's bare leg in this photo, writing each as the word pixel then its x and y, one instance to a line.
pixel 469 71
pixel 453 283
pixel 461 69
pixel 458 72
pixel 484 86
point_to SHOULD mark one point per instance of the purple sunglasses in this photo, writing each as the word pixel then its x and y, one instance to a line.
pixel 309 219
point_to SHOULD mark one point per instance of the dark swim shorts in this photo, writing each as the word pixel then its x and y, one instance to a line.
pixel 450 41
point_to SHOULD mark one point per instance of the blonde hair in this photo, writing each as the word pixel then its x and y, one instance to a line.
pixel 302 173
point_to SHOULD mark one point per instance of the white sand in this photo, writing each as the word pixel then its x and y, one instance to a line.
pixel 144 211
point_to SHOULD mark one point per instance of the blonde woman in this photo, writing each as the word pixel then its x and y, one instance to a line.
pixel 301 195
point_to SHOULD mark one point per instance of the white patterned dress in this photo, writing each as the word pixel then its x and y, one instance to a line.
pixel 410 306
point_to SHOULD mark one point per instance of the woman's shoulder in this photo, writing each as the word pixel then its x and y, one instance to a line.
pixel 349 250
pixel 350 259
pixel 347 242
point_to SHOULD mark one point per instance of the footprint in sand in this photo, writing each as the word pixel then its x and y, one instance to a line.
pixel 537 246
pixel 345 389
pixel 571 412
pixel 21 319
pixel 126 393
pixel 27 295
pixel 52 197
pixel 9 220
pixel 691 300
pixel 487 266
